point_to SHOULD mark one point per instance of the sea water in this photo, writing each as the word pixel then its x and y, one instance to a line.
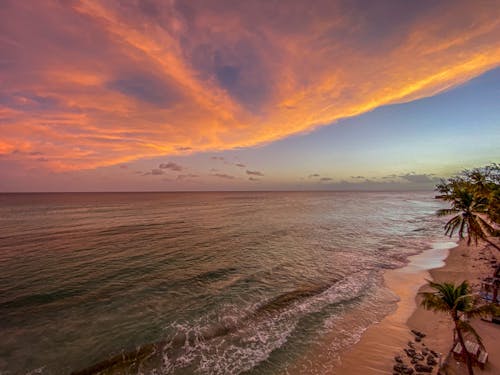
pixel 204 283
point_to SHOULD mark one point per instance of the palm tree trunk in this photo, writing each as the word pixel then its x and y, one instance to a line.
pixel 467 354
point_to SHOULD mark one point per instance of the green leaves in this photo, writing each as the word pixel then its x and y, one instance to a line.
pixel 461 305
pixel 446 211
pixel 478 187
pixel 474 196
pixel 457 300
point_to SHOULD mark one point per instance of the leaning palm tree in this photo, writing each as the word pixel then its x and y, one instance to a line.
pixel 458 302
pixel 470 211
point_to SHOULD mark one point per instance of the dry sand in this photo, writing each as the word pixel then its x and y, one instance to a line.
pixel 464 263
pixel 375 351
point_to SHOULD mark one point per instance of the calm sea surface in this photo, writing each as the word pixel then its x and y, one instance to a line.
pixel 219 283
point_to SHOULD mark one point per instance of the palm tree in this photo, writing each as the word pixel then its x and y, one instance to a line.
pixel 494 204
pixel 469 209
pixel 457 301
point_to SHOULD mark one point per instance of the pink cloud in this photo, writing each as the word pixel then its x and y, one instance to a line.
pixel 91 84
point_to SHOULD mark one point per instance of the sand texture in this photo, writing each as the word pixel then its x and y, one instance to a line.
pixel 374 353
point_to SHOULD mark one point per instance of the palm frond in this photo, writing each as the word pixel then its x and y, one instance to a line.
pixel 446 211
pixel 447 297
pixel 433 302
pixel 461 230
pixel 452 225
pixel 486 226
pixel 475 229
pixel 482 310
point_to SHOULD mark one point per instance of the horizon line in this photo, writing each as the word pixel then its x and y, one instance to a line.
pixel 217 191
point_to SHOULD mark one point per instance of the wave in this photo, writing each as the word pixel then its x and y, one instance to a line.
pixel 236 339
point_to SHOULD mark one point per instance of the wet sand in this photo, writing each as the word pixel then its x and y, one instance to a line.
pixel 374 353
pixel 381 342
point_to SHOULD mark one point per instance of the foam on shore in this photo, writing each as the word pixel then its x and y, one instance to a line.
pixel 375 350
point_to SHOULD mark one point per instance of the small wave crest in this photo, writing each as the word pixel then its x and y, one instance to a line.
pixel 235 339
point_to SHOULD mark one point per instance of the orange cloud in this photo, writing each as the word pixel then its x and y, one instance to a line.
pixel 90 83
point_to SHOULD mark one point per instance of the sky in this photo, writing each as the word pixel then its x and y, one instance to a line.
pixel 257 95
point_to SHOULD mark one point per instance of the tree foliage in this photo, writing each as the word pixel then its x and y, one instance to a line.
pixel 474 196
pixel 458 302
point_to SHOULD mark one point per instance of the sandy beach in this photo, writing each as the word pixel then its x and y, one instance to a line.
pixel 374 353
pixel 381 342
pixel 464 263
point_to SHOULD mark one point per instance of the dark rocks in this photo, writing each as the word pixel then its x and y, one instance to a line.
pixel 400 368
pixel 431 361
pixel 418 333
pixel 423 368
pixel 410 352
pixel 418 357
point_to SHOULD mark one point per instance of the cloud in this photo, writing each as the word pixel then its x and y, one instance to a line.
pixel 124 166
pixel 223 175
pixel 42 159
pixel 156 172
pixel 253 179
pixel 240 165
pixel 390 177
pixel 172 166
pixel 358 177
pixel 220 158
pixel 92 84
pixel 254 173
pixel 393 182
pixel 183 177
pixel 147 88
pixel 419 178
pixel 313 175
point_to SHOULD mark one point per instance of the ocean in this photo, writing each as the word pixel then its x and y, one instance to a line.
pixel 198 283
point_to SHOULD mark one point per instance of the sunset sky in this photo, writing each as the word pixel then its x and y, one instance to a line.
pixel 243 95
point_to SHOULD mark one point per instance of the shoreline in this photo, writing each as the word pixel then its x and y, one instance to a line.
pixel 471 263
pixel 375 351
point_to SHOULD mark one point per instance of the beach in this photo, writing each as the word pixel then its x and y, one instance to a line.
pixel 464 263
pixel 380 343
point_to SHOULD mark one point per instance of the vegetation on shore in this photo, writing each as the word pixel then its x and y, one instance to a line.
pixel 474 197
pixel 459 302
